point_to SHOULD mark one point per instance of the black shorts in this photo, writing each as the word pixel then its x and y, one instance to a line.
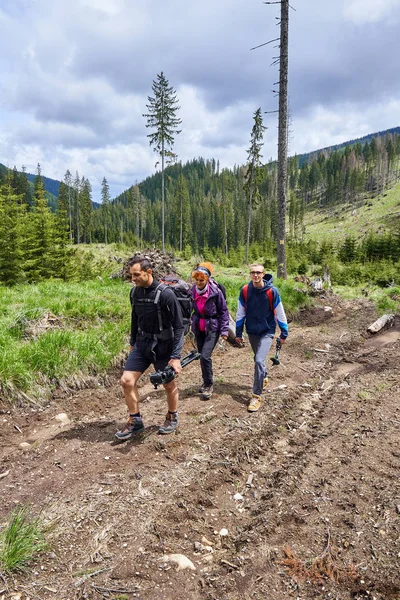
pixel 141 357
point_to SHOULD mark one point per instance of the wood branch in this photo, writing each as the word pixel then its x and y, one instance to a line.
pixel 88 575
pixel 249 481
pixel 100 589
pixel 229 564
pixel 380 323
pixel 265 44
pixel 320 350
pixel 4 580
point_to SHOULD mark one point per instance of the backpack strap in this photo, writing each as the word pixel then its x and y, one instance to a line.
pixel 269 293
pixel 164 332
pixel 271 298
pixel 245 289
pixel 159 289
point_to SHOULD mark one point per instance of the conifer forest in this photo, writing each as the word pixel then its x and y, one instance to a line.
pixel 206 212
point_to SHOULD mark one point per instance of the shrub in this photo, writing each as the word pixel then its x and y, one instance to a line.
pixel 302 268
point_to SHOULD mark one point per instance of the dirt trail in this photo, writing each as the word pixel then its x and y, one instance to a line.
pixel 307 489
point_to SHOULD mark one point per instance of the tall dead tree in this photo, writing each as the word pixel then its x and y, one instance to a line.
pixel 283 60
pixel 283 138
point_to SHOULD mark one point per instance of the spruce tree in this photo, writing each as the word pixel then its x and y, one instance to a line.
pixel 12 214
pixel 161 117
pixel 76 204
pixel 62 253
pixel 86 209
pixel 68 184
pixel 253 175
pixel 40 233
pixel 183 200
pixel 105 207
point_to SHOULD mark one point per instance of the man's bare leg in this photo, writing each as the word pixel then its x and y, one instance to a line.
pixel 171 421
pixel 131 393
pixel 172 395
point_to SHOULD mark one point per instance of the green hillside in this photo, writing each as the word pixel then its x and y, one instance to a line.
pixel 378 215
pixel 51 186
pixel 309 156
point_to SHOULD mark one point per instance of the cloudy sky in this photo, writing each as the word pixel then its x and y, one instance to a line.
pixel 75 76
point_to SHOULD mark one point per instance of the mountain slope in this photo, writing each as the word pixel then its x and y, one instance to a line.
pixel 303 158
pixel 381 214
pixel 50 185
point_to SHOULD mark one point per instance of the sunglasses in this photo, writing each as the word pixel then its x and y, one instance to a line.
pixel 256 272
pixel 199 277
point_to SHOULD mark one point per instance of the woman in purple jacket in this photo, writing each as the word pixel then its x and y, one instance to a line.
pixel 210 319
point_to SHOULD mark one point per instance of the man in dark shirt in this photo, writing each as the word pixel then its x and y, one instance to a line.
pixel 157 333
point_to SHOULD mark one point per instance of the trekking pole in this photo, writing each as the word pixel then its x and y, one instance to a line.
pixel 193 355
pixel 275 359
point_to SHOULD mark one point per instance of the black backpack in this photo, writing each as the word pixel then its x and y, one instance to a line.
pixel 181 291
pixel 220 286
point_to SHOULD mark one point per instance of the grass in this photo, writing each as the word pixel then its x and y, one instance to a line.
pixel 53 331
pixel 379 214
pixel 91 329
pixel 386 300
pixel 21 541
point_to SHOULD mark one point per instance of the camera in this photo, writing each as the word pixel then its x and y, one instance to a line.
pixel 160 377
pixel 168 374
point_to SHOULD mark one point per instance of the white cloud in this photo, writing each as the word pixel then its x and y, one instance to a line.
pixel 369 11
pixel 110 7
pixel 342 123
pixel 76 75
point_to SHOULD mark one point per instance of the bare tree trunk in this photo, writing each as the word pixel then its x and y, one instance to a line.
pixel 71 236
pixel 142 221
pixel 162 198
pixel 282 139
pixel 137 193
pixel 225 231
pixel 181 225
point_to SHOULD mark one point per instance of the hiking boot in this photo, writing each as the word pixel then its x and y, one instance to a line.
pixel 133 426
pixel 207 392
pixel 202 388
pixel 255 403
pixel 170 424
pixel 265 382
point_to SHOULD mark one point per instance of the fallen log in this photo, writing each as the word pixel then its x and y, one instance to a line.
pixel 380 323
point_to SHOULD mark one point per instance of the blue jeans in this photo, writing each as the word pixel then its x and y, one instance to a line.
pixel 260 347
